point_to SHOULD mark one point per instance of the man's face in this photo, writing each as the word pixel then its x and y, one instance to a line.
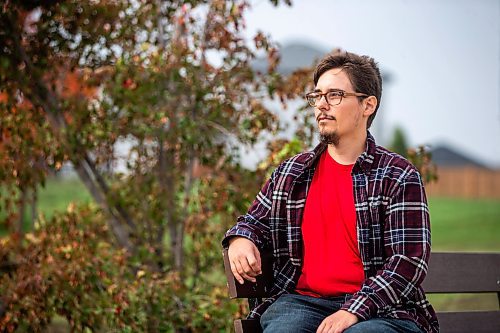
pixel 343 120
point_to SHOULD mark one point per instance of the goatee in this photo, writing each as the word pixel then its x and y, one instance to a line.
pixel 329 138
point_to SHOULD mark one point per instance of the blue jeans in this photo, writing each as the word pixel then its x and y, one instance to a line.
pixel 299 313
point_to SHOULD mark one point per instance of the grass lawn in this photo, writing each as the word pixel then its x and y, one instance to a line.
pixel 457 224
pixel 55 196
pixel 465 224
pixel 58 193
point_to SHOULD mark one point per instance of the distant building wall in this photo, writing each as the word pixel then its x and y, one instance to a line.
pixel 466 182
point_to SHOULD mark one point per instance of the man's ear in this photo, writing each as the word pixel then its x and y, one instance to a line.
pixel 370 104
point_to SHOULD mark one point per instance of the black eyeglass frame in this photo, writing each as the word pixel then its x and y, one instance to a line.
pixel 340 93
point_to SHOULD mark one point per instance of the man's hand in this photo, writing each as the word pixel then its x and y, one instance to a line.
pixel 244 258
pixel 337 322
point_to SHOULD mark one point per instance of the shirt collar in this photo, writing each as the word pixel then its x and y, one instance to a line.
pixel 364 161
pixel 315 154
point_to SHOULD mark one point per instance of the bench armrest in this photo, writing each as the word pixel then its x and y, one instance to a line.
pixel 259 289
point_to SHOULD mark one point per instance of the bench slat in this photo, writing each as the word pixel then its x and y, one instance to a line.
pixel 463 273
pixel 448 273
pixel 466 322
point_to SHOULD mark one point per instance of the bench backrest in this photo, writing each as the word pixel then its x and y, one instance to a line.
pixel 448 273
pixel 463 273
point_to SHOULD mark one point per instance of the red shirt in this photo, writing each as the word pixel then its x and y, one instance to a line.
pixel 332 264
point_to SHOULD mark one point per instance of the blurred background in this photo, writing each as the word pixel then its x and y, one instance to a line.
pixel 134 133
pixel 440 61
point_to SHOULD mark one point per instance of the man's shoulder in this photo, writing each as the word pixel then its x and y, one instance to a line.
pixel 295 165
pixel 393 164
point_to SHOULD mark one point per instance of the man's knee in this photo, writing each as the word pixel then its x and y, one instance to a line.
pixel 385 325
pixel 282 323
pixel 276 320
pixel 288 314
pixel 368 326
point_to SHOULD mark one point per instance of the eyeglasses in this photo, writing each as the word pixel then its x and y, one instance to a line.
pixel 332 97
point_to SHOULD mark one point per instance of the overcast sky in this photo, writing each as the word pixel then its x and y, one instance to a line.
pixel 443 57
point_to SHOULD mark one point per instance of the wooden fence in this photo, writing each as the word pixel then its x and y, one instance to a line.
pixel 466 182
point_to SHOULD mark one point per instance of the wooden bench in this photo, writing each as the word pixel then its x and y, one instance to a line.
pixel 448 273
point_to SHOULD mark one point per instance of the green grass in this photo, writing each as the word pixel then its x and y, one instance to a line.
pixel 55 197
pixel 465 224
pixel 457 224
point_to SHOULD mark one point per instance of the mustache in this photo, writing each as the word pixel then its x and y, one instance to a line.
pixel 325 117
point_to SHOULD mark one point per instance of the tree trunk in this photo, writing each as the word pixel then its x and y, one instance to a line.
pixel 120 233
pixel 168 188
pixel 42 97
pixel 22 207
pixel 34 210
pixel 188 184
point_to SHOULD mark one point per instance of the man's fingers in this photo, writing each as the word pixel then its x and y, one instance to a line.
pixel 254 265
pixel 244 258
pixel 258 265
pixel 237 276
pixel 242 269
pixel 327 326
pixel 321 327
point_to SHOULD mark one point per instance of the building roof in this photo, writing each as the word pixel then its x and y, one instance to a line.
pixel 446 156
pixel 293 56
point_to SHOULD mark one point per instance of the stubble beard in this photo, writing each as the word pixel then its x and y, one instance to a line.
pixel 329 138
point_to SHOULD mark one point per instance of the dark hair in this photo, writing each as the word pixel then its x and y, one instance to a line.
pixel 362 71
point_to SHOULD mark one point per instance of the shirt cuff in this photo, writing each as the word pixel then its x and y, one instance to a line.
pixel 362 306
pixel 239 231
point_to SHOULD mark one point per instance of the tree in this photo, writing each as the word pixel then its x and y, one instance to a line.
pixel 419 156
pixel 172 80
pixel 399 143
pixel 80 77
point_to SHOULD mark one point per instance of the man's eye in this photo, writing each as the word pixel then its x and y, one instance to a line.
pixel 334 94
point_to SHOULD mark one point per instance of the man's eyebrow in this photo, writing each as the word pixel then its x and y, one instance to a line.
pixel 331 89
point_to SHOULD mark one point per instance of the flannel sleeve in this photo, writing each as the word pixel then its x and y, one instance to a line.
pixel 254 225
pixel 406 250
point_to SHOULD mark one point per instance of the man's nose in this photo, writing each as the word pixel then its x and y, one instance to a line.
pixel 322 104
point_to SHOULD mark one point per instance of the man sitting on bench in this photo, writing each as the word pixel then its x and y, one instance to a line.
pixel 347 223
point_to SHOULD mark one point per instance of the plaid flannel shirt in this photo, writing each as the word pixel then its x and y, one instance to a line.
pixel 393 232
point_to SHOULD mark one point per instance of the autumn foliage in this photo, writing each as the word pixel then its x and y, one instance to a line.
pixel 68 267
pixel 173 83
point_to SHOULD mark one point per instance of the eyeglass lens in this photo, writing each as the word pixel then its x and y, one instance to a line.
pixel 332 98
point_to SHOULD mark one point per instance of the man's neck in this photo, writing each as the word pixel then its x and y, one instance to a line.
pixel 348 150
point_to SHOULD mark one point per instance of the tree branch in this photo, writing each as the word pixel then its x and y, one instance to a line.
pixel 39 95
pixel 105 189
